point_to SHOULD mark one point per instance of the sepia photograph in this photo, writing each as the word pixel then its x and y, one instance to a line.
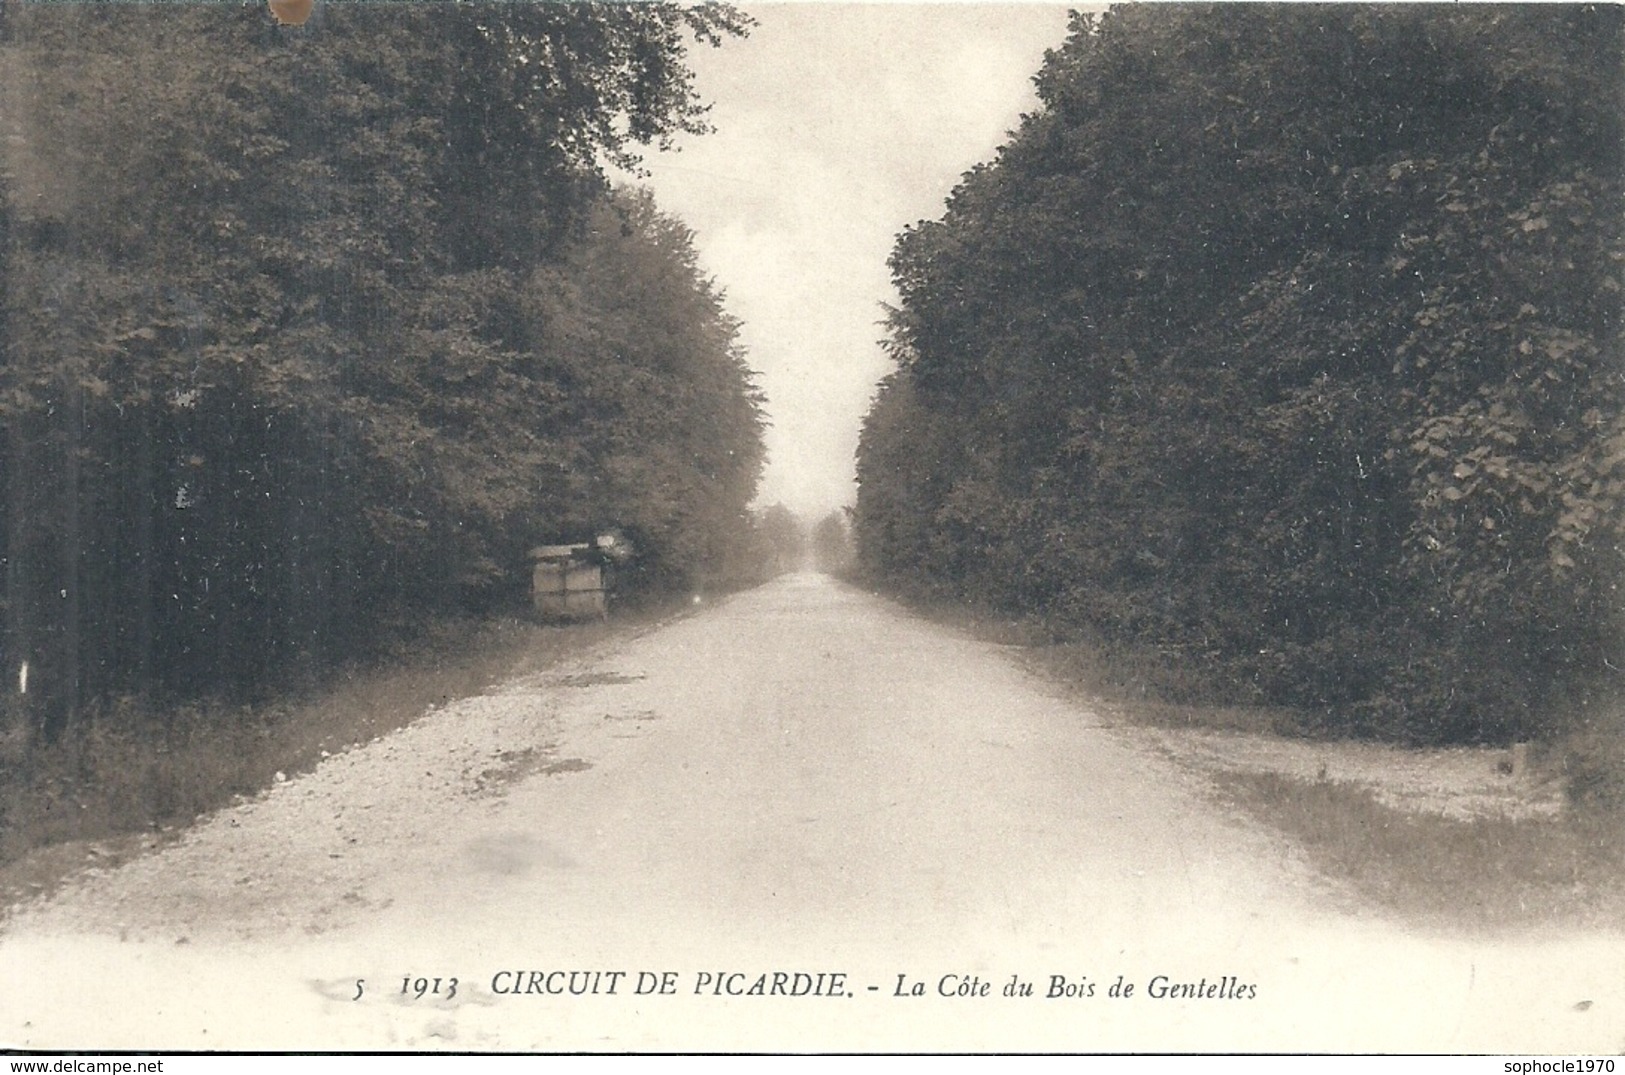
pixel 582 527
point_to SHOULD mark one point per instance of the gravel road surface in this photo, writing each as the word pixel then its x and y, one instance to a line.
pixel 765 826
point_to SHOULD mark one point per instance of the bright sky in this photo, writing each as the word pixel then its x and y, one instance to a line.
pixel 837 126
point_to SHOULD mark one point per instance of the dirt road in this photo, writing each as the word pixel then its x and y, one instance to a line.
pixel 801 790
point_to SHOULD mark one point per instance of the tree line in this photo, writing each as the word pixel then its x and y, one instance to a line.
pixel 1284 340
pixel 310 335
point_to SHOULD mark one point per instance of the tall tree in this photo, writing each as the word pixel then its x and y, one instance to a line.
pixel 279 368
pixel 1284 338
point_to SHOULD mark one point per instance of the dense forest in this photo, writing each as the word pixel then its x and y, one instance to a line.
pixel 310 335
pixel 1284 341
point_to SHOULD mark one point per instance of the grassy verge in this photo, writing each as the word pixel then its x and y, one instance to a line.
pixel 1145 685
pixel 1486 871
pixel 128 775
pixel 1148 687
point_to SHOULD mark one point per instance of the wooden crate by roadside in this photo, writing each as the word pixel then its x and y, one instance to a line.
pixel 566 584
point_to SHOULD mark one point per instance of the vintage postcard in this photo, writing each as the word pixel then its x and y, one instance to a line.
pixel 811 528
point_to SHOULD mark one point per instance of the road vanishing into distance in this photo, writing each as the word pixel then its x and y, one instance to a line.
pixel 800 819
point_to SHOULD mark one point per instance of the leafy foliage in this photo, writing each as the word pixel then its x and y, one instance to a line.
pixel 1285 338
pixel 831 542
pixel 312 333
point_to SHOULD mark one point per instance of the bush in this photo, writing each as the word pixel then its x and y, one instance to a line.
pixel 1594 763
